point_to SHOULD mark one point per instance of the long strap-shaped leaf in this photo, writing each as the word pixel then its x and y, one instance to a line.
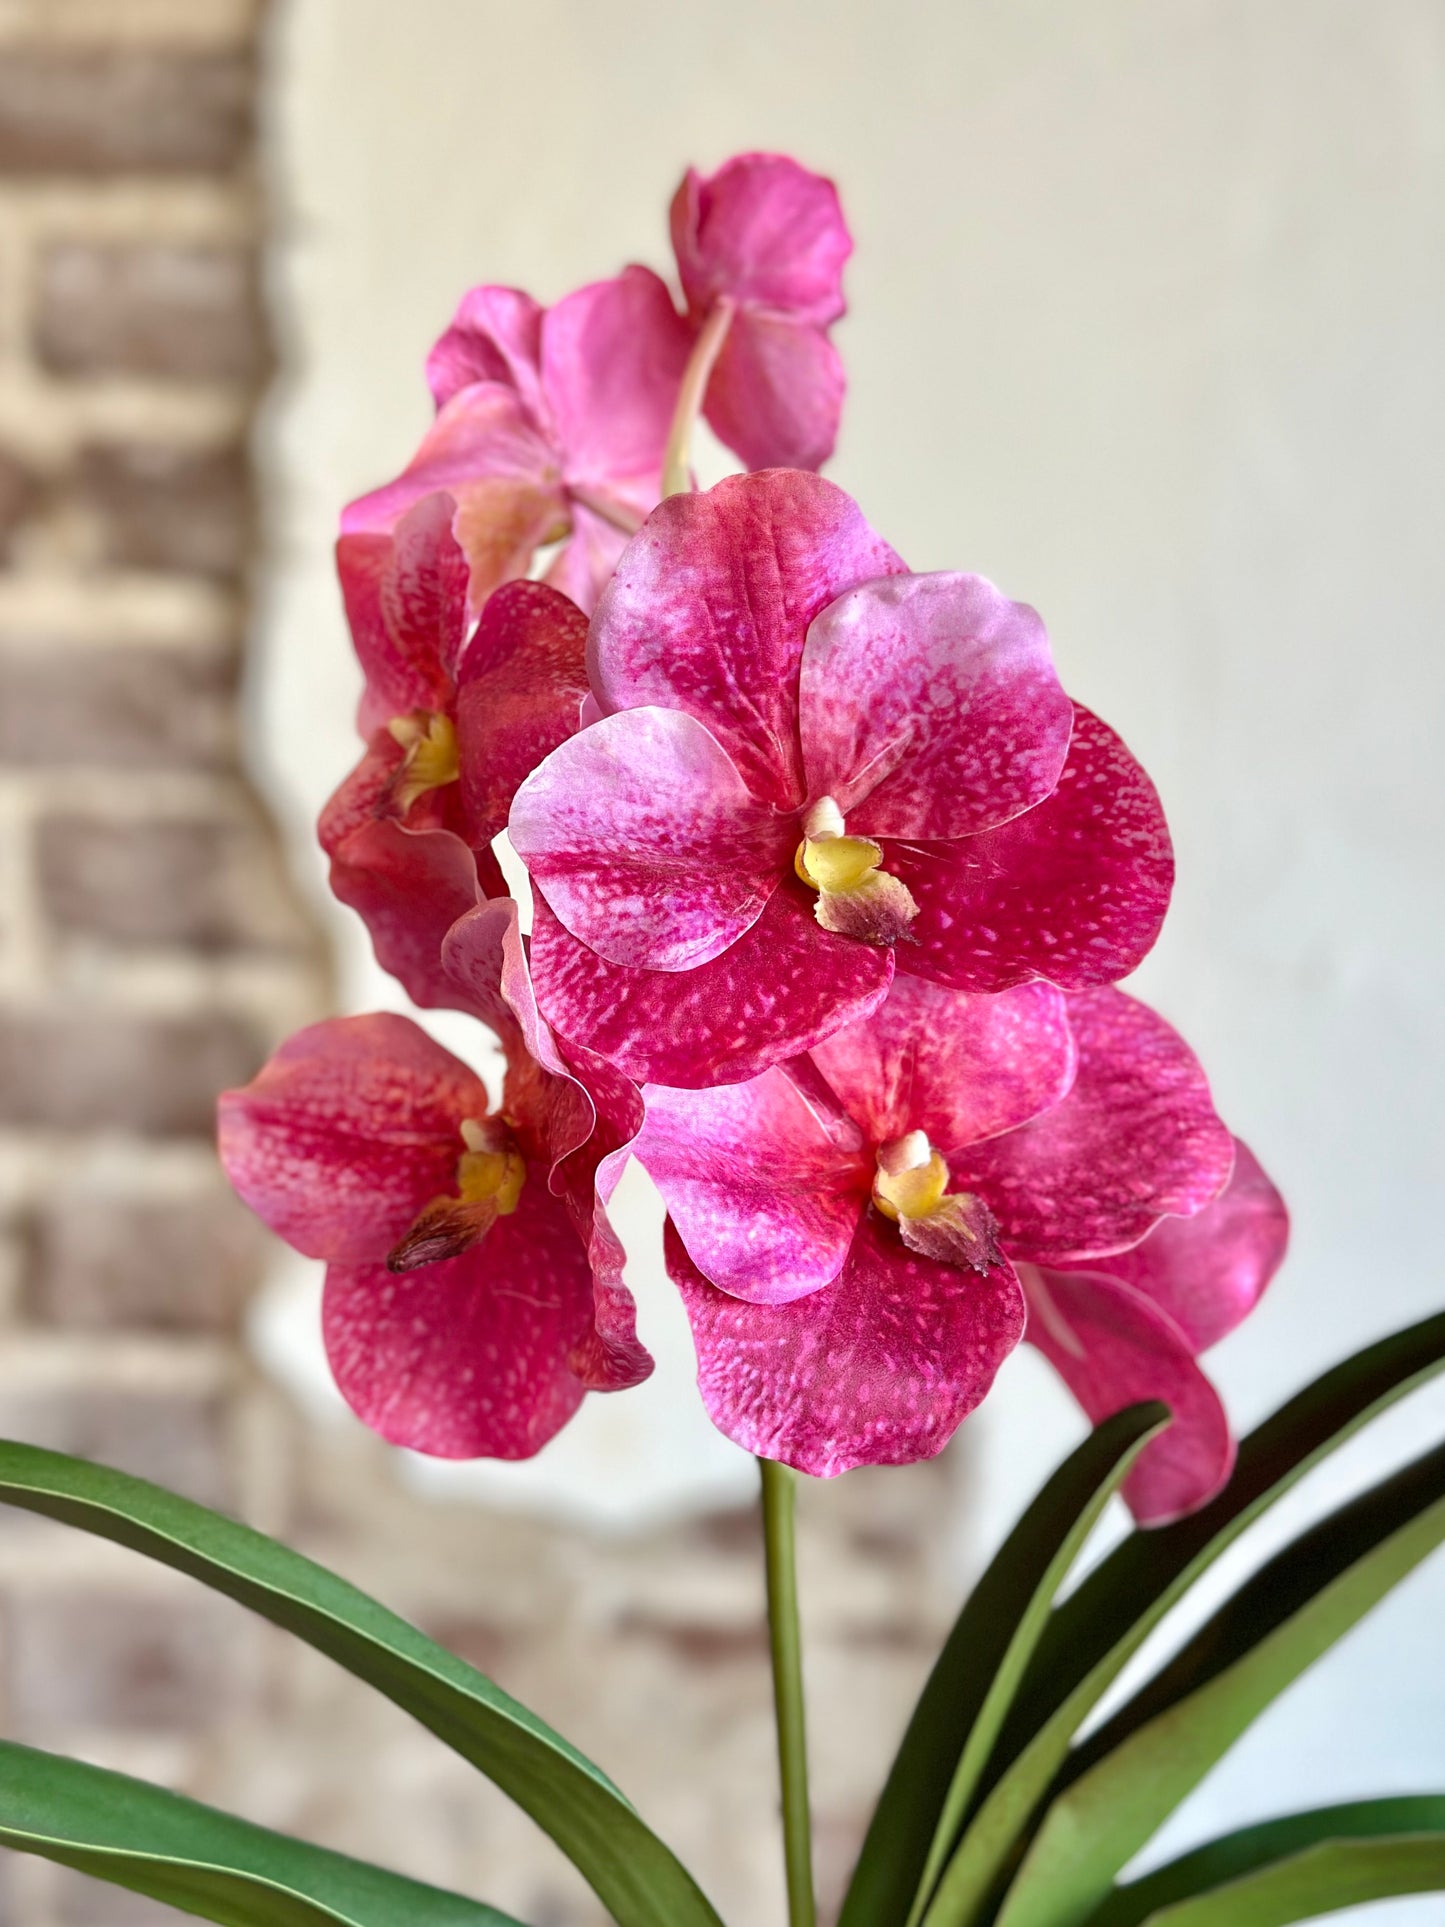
pixel 637 1878
pixel 1281 1622
pixel 201 1861
pixel 1283 1844
pixel 1094 1634
pixel 969 1691
pixel 1345 1873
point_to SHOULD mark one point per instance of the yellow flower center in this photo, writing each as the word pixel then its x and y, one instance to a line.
pixel 855 897
pixel 955 1228
pixel 430 761
pixel 491 1172
pixel 911 1180
pixel 488 1171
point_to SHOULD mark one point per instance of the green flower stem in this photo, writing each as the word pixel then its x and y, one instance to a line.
pixel 676 478
pixel 787 1647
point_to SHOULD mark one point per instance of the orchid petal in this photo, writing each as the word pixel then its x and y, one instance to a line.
pixel 878 1368
pixel 409 887
pixel 609 1357
pixel 1208 1272
pixel 778 990
pixel 775 395
pixel 467 1358
pixel 402 667
pixel 1135 1140
pixel 587 560
pixel 645 841
pixel 1073 891
pixel 1112 1347
pixel 710 605
pixel 955 1066
pixel 346 1132
pixel 764 232
pixel 765 1197
pixel 929 707
pixel 495 335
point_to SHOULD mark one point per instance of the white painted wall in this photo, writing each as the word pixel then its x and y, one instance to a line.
pixel 1149 312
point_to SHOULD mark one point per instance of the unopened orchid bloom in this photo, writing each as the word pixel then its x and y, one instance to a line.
pixel 1131 1326
pixel 473 1285
pixel 760 250
pixel 812 769
pixel 848 1230
pixel 454 716
pixel 551 426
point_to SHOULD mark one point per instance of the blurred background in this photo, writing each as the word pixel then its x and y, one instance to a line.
pixel 1147 313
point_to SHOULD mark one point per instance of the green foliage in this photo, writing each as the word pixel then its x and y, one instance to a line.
pixel 201 1861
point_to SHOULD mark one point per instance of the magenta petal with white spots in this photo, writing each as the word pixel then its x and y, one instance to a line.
pixel 519 691
pixel 409 887
pixel 1113 1347
pixel 645 841
pixel 776 392
pixel 467 1358
pixel 613 356
pixel 609 1357
pixel 878 1368
pixel 711 603
pixel 1073 891
pixel 929 707
pixel 764 1194
pixel 1208 1272
pixel 406 602
pixel 346 1132
pixel 957 1066
pixel 1135 1140
pixel 763 232
pixel 783 986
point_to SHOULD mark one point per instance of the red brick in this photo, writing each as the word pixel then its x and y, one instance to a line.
pixel 19 494
pixel 156 507
pixel 210 886
pixel 104 110
pixel 142 1264
pixel 181 313
pixel 141 707
pixel 127 1660
pixel 89 1068
pixel 177 1438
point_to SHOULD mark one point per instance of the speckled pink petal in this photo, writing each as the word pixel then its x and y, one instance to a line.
pixel 1113 1348
pixel 467 1359
pixel 710 605
pixel 520 689
pixel 777 991
pixel 399 676
pixel 763 1193
pixel 930 707
pixel 1135 1140
pixel 775 395
pixel 424 592
pixel 350 1128
pixel 646 843
pixel 609 1357
pixel 766 233
pixel 613 356
pixel 409 887
pixel 585 563
pixel 957 1066
pixel 879 1368
pixel 1073 891
pixel 1209 1272
pixel 495 335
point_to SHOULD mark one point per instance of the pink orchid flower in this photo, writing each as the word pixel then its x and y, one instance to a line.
pixel 811 769
pixel 473 1284
pixel 1131 1326
pixel 454 716
pixel 551 423
pixel 760 250
pixel 847 1230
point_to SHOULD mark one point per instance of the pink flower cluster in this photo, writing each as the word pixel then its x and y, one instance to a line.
pixel 831 884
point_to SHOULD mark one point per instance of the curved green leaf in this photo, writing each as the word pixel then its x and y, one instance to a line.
pixel 1224 1862
pixel 1136 1771
pixel 1095 1632
pixel 1345 1873
pixel 201 1861
pixel 969 1691
pixel 637 1878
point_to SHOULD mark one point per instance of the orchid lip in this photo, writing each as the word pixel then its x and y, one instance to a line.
pixel 856 897
pixel 430 762
pixel 490 1175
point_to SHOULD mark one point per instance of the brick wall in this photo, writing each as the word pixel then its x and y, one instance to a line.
pixel 151 948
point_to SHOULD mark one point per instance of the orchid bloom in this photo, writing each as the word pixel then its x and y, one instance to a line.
pixel 848 1231
pixel 812 768
pixel 551 424
pixel 473 1284
pixel 454 716
pixel 760 250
